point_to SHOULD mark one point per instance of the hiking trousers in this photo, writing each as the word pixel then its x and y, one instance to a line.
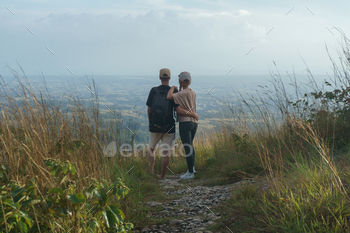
pixel 188 130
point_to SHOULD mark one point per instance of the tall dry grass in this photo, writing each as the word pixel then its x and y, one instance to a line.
pixel 288 139
pixel 34 126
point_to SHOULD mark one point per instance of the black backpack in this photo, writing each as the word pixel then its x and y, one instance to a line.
pixel 159 112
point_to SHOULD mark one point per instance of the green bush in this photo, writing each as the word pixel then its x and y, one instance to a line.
pixel 95 208
pixel 329 114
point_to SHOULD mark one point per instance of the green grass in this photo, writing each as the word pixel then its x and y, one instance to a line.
pixel 305 200
pixel 305 196
pixel 299 185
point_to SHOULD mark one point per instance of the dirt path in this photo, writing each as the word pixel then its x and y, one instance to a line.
pixel 191 207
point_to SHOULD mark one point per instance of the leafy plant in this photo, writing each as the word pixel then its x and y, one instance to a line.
pixel 91 209
pixel 16 201
pixel 329 114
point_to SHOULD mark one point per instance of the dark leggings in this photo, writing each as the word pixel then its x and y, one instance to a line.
pixel 187 132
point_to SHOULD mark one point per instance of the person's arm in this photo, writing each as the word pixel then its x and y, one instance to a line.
pixel 183 112
pixel 170 93
pixel 148 111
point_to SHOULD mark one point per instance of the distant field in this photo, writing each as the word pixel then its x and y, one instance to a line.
pixel 127 95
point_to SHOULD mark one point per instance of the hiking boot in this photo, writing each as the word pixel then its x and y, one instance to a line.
pixel 187 175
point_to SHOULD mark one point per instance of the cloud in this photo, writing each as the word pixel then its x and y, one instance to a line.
pixel 138 41
pixel 243 12
pixel 86 40
pixel 219 14
pixel 257 33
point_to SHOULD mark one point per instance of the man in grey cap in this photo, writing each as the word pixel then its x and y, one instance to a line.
pixel 160 113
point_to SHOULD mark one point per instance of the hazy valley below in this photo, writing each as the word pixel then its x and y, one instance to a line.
pixel 126 96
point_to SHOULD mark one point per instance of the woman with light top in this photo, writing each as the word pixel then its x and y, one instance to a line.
pixel 186 98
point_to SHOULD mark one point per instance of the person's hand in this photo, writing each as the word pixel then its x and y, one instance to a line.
pixel 174 87
pixel 195 115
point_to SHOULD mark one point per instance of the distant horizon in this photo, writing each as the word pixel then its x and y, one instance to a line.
pixel 155 75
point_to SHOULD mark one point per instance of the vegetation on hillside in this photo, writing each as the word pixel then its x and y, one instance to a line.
pixel 55 177
pixel 298 157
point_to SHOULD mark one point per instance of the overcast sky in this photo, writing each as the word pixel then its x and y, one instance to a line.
pixel 131 37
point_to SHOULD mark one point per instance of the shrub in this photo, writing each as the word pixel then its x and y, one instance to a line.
pixel 91 209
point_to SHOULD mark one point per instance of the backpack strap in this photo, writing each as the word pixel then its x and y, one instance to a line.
pixel 156 90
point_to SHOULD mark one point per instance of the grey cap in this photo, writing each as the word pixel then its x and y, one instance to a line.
pixel 185 76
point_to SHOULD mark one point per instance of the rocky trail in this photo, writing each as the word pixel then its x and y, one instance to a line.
pixel 190 209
